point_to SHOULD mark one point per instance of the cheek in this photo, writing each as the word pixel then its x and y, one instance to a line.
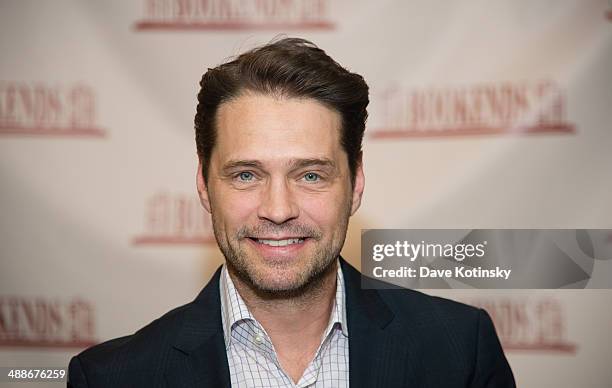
pixel 235 208
pixel 325 211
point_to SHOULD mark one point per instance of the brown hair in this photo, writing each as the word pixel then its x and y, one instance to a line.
pixel 290 67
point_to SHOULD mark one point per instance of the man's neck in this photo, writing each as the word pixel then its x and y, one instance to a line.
pixel 295 323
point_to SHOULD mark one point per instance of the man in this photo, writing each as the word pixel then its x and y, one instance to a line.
pixel 278 133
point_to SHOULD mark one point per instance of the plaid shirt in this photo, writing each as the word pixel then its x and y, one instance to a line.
pixel 251 356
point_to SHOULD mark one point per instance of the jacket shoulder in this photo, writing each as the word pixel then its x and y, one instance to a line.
pixel 141 359
pixel 412 302
pixel 454 332
pixel 146 341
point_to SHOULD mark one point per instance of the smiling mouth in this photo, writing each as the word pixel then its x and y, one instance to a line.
pixel 279 243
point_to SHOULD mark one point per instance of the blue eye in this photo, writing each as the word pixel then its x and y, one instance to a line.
pixel 245 176
pixel 311 177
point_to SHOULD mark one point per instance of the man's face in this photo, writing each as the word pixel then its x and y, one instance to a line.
pixel 279 190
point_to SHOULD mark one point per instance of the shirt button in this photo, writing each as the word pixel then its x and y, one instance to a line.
pixel 258 338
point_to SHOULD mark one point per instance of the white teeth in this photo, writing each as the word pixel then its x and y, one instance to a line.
pixel 280 243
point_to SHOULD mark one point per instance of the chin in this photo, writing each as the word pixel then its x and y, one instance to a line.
pixel 279 280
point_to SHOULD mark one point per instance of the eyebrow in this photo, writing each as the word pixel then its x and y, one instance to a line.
pixel 310 162
pixel 294 163
pixel 232 164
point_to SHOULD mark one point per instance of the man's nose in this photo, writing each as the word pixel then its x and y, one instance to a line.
pixel 278 204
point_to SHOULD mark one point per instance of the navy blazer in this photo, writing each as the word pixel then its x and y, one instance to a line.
pixel 397 338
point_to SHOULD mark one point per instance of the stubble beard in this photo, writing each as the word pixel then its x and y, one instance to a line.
pixel 307 282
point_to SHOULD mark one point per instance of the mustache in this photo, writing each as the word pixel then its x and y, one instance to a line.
pixel 269 228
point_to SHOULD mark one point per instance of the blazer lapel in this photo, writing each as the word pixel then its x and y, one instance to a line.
pixel 378 356
pixel 199 357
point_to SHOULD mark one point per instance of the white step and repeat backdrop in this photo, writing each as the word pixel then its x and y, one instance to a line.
pixel 484 114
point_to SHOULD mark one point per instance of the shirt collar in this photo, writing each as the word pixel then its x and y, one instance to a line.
pixel 234 310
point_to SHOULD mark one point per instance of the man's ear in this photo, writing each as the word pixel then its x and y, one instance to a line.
pixel 202 189
pixel 358 186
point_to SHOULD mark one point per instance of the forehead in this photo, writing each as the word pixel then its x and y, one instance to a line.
pixel 267 128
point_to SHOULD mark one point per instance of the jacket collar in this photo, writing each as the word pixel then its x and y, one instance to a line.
pixel 365 306
pixel 380 354
pixel 201 359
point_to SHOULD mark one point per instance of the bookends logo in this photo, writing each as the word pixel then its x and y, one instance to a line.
pixel 528 324
pixel 486 109
pixel 37 109
pixel 175 219
pixel 45 323
pixel 218 15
